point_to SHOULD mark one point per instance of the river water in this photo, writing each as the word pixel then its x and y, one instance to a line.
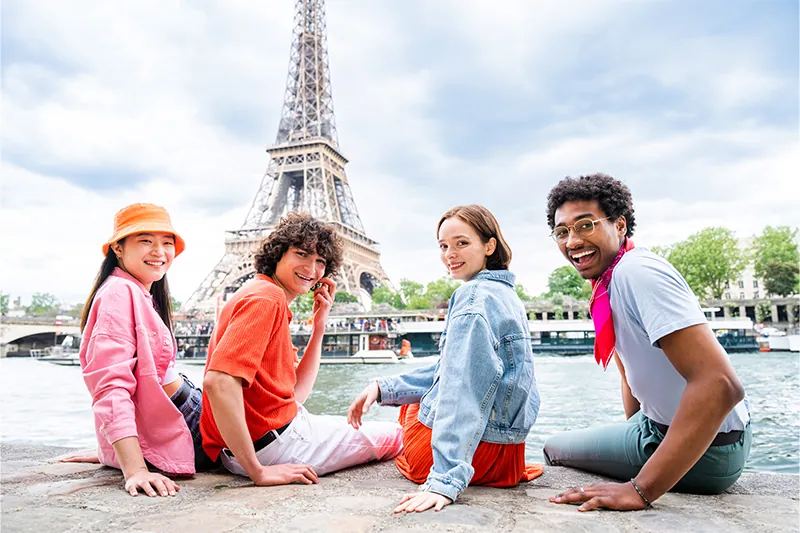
pixel 48 404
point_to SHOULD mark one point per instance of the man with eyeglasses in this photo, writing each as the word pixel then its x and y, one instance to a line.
pixel 688 420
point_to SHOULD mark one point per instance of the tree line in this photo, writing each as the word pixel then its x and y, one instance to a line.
pixel 707 259
pixel 713 256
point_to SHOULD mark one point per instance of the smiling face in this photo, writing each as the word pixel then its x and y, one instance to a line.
pixel 298 271
pixel 462 251
pixel 591 254
pixel 146 256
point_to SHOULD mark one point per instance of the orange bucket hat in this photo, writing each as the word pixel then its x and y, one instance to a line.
pixel 143 218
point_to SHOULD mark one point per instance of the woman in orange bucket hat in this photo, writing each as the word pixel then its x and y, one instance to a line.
pixel 145 413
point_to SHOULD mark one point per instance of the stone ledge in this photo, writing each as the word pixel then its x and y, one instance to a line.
pixel 38 494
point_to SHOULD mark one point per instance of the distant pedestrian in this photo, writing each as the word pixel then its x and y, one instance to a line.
pixel 466 417
pixel 145 413
pixel 688 425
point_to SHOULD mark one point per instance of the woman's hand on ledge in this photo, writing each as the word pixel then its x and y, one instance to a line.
pixel 152 483
pixel 422 501
pixel 81 457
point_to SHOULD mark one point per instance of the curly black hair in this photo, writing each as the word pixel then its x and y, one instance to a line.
pixel 613 196
pixel 305 232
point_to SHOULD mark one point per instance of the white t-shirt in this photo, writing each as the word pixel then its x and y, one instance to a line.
pixel 649 300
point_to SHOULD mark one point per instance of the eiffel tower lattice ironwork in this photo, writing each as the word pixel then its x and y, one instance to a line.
pixel 305 173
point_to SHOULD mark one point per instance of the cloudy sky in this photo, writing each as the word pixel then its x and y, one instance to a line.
pixel 693 104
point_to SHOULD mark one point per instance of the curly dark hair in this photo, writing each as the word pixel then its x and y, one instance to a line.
pixel 305 232
pixel 613 196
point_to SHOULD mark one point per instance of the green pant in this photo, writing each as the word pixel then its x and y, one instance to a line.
pixel 619 451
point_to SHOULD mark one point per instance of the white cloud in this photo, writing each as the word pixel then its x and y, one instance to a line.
pixel 184 99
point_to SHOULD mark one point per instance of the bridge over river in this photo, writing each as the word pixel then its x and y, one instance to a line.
pixel 18 336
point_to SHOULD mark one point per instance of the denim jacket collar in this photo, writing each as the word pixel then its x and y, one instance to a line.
pixel 504 276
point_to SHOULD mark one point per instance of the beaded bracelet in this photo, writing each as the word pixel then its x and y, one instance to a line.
pixel 646 501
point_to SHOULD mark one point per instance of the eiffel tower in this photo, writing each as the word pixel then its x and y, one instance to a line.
pixel 305 173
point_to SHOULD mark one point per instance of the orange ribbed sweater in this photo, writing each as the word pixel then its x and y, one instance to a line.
pixel 252 341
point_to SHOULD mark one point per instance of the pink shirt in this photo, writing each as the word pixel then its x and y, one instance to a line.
pixel 125 353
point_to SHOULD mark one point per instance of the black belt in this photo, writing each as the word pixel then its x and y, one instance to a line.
pixel 183 393
pixel 264 441
pixel 269 436
pixel 722 439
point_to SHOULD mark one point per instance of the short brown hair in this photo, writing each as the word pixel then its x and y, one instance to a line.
pixel 482 220
pixel 305 232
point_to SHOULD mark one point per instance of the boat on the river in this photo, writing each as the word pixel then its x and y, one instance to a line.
pixel 367 338
pixel 57 355
pixel 64 354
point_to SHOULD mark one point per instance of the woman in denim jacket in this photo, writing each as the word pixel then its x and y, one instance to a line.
pixel 466 417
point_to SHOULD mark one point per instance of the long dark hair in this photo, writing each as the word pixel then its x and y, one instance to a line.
pixel 159 290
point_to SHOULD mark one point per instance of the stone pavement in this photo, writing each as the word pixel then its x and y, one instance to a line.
pixel 39 495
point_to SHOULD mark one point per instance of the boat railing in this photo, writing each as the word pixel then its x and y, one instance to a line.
pixel 559 341
pixel 333 329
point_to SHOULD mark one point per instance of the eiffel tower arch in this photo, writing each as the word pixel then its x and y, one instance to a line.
pixel 305 173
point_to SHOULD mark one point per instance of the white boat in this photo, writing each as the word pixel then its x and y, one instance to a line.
pixel 784 343
pixel 58 355
pixel 62 354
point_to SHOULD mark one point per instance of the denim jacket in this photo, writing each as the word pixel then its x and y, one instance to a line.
pixel 483 386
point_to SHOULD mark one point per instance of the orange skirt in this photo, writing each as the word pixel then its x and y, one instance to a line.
pixel 496 465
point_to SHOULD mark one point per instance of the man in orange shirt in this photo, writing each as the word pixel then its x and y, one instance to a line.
pixel 253 419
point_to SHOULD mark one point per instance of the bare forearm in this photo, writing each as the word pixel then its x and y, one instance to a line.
pixel 129 455
pixel 227 404
pixel 308 368
pixel 702 409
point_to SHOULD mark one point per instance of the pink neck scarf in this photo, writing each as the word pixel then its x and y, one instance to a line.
pixel 600 309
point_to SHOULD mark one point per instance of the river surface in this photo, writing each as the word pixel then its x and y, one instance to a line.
pixel 48 404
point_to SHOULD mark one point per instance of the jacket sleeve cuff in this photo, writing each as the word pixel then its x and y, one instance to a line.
pixel 387 392
pixel 119 430
pixel 444 485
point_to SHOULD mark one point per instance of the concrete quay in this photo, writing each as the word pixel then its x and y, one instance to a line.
pixel 41 495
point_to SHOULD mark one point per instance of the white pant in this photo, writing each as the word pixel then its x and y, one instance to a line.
pixel 327 443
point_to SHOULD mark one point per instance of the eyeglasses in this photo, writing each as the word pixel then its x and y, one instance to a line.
pixel 583 228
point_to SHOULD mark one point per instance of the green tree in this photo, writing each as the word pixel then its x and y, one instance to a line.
pixel 303 304
pixel 3 303
pixel 522 293
pixel 774 245
pixel 662 251
pixel 707 259
pixel 174 303
pixel 586 291
pixel 776 258
pixel 439 291
pixel 344 297
pixel 782 279
pixel 385 295
pixel 764 311
pixel 414 294
pixel 42 303
pixel 566 280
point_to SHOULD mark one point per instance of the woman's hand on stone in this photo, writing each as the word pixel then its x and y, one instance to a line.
pixel 84 457
pixel 617 496
pixel 151 483
pixel 422 501
pixel 361 404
